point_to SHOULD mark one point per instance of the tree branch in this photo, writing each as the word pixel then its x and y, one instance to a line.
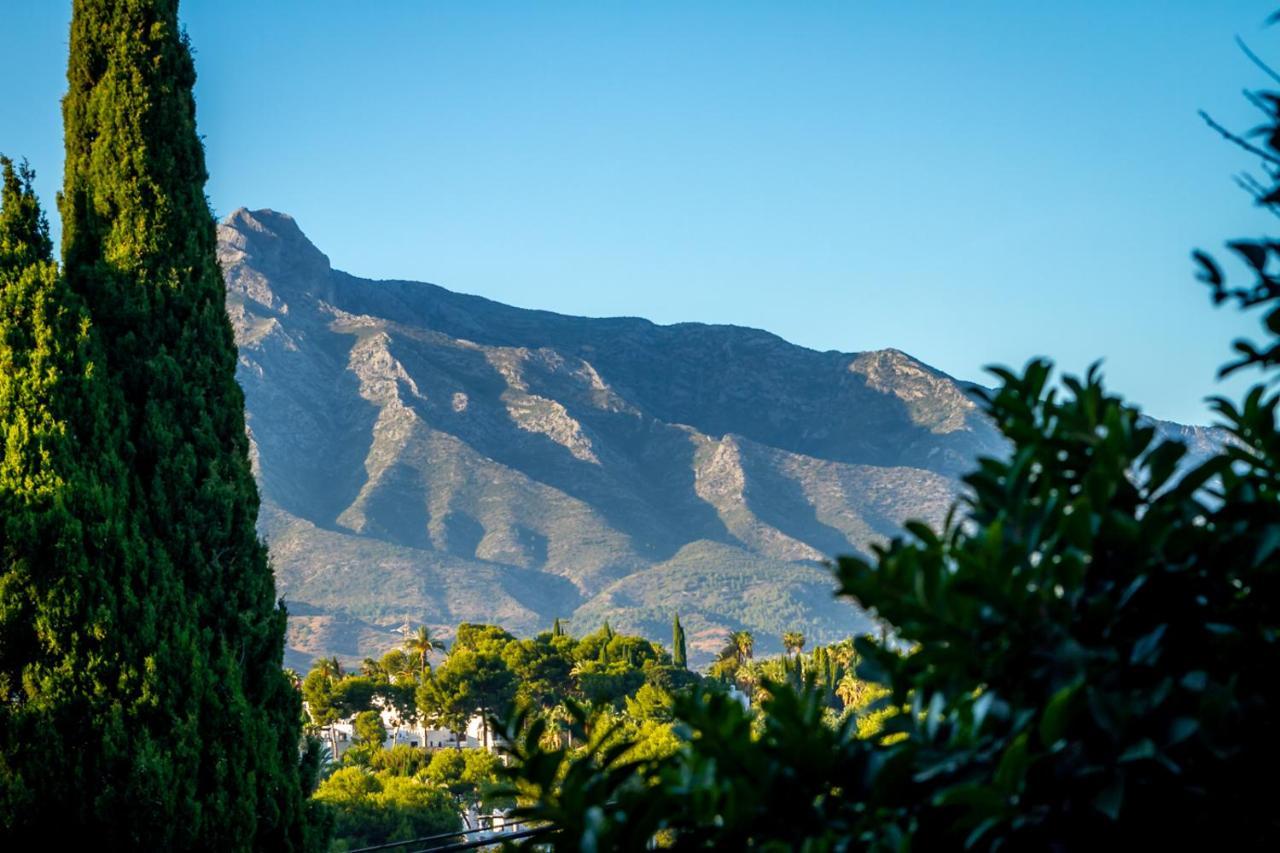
pixel 1231 137
pixel 1256 60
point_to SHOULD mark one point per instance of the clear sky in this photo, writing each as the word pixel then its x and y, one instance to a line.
pixel 972 182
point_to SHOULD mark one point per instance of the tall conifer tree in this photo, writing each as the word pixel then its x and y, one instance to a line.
pixel 64 542
pixel 199 748
pixel 678 655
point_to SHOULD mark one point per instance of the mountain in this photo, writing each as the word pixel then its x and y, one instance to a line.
pixel 429 457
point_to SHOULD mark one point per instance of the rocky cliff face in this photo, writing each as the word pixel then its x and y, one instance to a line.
pixel 431 457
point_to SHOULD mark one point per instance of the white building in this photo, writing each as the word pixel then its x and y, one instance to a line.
pixel 340 736
pixel 484 738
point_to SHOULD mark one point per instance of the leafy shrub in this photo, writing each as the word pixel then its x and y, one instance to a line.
pixel 373 808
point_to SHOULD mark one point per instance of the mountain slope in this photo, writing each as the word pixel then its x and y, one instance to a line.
pixel 431 457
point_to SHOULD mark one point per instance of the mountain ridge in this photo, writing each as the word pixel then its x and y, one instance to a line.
pixel 432 457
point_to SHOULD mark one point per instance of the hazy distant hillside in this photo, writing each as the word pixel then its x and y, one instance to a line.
pixel 431 457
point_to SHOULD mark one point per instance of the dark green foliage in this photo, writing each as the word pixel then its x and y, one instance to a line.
pixel 722 795
pixel 650 702
pixel 402 760
pixel 1094 643
pixel 471 776
pixel 142 641
pixel 369 730
pixel 827 670
pixel 330 697
pixel 24 229
pixel 396 665
pixel 541 668
pixel 488 672
pixel 610 684
pixel 669 678
pixel 318 693
pixel 355 693
pixel 469 682
pixel 679 656
pixel 472 636
pixel 313 766
pixel 606 647
pixel 374 808
pixel 369 734
pixel 64 542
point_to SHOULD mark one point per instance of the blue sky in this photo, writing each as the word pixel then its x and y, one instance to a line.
pixel 973 183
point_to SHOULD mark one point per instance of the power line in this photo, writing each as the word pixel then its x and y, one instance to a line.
pixel 497 836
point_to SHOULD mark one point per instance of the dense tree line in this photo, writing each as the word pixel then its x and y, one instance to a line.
pixel 378 795
pixel 141 698
pixel 593 693
pixel 486 673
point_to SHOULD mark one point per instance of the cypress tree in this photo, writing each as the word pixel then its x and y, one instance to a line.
pixel 795 672
pixel 556 629
pixel 678 655
pixel 200 749
pixel 64 541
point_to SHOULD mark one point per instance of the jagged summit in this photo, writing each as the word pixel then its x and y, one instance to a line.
pixel 266 256
pixel 431 457
pixel 267 225
pixel 271 243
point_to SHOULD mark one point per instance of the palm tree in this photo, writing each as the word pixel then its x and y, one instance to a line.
pixel 370 668
pixel 843 653
pixel 747 678
pixel 330 667
pixel 738 648
pixel 745 645
pixel 793 642
pixel 729 652
pixel 423 644
pixel 852 691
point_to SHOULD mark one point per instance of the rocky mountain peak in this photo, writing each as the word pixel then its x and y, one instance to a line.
pixel 265 256
pixel 429 457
